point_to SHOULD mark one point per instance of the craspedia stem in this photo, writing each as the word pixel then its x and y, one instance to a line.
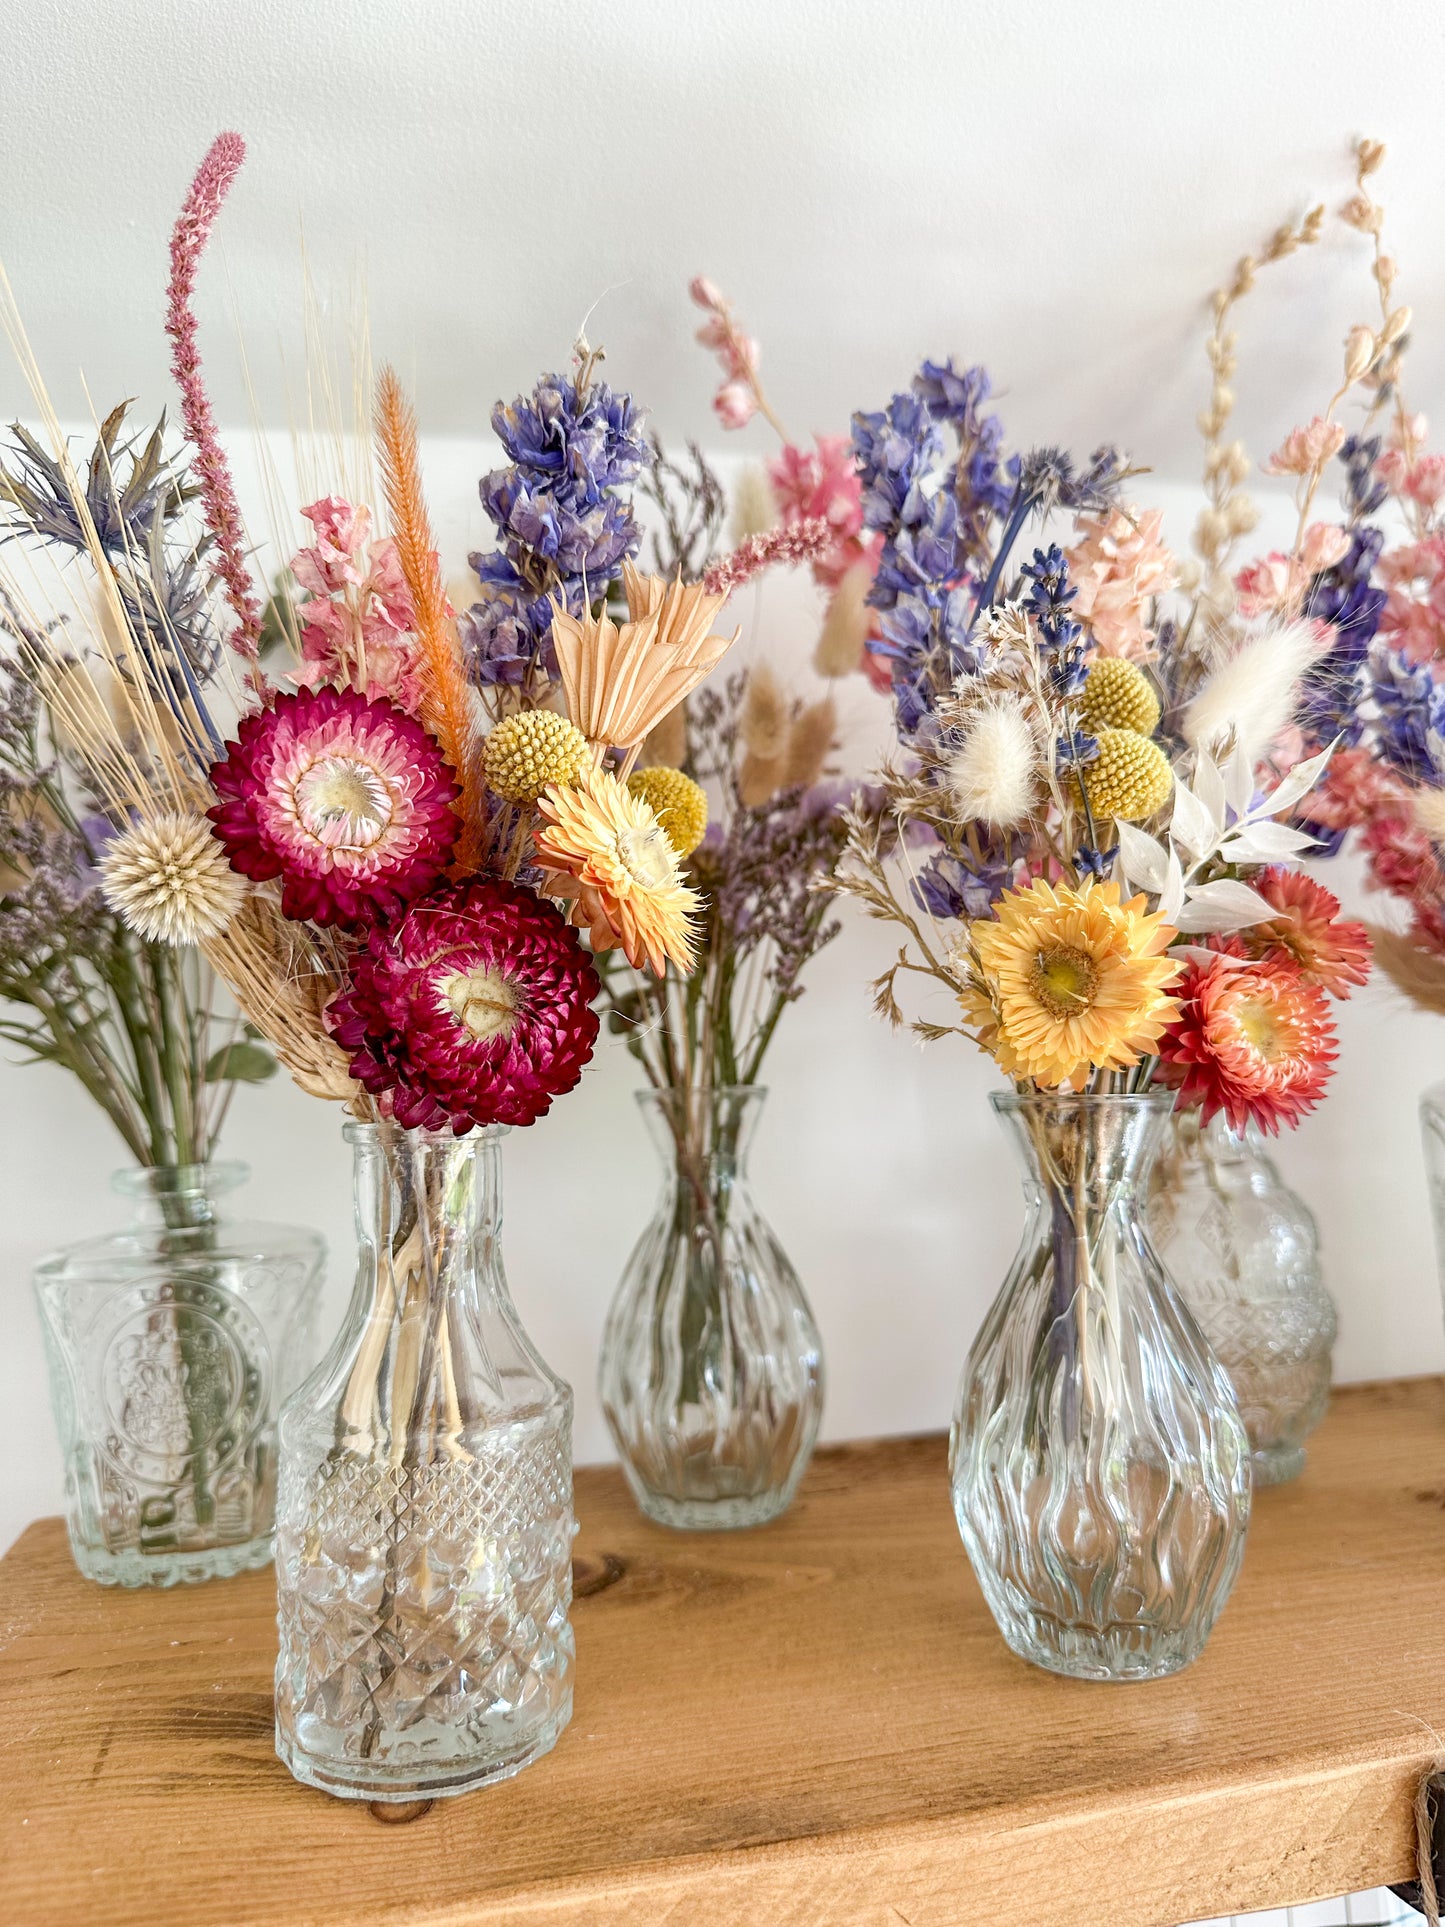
pixel 192 230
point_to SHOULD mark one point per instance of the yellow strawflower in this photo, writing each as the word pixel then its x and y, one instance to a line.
pixel 1068 979
pixel 679 804
pixel 1118 695
pixel 530 750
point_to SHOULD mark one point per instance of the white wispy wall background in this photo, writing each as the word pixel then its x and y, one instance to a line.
pixel 1052 190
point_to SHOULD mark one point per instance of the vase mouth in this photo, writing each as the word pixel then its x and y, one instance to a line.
pixel 211 1180
pixel 1014 1103
pixel 670 1093
pixel 388 1132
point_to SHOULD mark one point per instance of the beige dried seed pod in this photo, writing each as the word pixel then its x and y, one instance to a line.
pixel 766 717
pixel 1359 351
pixel 845 626
pixel 809 741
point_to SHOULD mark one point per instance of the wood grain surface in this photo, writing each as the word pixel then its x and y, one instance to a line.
pixel 811 1725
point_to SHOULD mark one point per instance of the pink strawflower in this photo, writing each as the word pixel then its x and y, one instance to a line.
pixel 1328 949
pixel 1305 449
pixel 801 543
pixel 213 473
pixel 349 802
pixel 1272 583
pixel 1252 1040
pixel 472 1008
pixel 1120 565
pixel 358 625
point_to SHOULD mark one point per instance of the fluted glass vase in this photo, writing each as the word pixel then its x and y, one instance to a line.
pixel 1244 1252
pixel 711 1371
pixel 1100 1467
pixel 424 1524
pixel 171 1345
pixel 1432 1132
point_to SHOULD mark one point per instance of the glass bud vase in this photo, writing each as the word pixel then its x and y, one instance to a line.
pixel 711 1371
pixel 1244 1252
pixel 424 1523
pixel 171 1345
pixel 1432 1131
pixel 1100 1467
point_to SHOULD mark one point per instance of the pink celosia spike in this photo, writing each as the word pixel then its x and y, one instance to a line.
pixel 218 495
pixel 795 542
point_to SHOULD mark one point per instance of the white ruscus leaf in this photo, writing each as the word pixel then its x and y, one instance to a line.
pixel 1297 782
pixel 1220 907
pixel 1265 842
pixel 1144 860
pixel 1208 786
pixel 1191 825
pixel 1172 895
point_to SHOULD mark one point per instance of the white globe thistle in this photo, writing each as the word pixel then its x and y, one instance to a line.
pixel 170 881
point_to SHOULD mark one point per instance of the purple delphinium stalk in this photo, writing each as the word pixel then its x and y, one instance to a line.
pixel 562 508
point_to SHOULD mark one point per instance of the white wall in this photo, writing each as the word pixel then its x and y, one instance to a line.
pixel 1050 189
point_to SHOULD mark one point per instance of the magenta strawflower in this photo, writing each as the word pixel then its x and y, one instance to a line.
pixel 349 802
pixel 472 1008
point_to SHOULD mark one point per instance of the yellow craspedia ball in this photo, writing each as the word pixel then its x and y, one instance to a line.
pixel 678 803
pixel 1131 778
pixel 1118 695
pixel 530 750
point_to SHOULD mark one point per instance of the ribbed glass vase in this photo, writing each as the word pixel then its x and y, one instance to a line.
pixel 171 1345
pixel 424 1524
pixel 1432 1133
pixel 1244 1252
pixel 711 1370
pixel 1100 1467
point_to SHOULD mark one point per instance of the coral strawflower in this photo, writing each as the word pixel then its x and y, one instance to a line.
pixel 604 847
pixel 349 802
pixel 1252 1040
pixel 1329 950
pixel 1070 979
pixel 474 1007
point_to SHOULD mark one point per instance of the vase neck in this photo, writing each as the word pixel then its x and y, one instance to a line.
pixel 704 1134
pixel 178 1197
pixel 427 1193
pixel 1095 1151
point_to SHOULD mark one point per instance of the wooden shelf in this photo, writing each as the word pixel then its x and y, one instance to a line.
pixel 813 1725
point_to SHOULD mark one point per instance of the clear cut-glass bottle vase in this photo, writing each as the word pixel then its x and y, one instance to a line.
pixel 171 1344
pixel 1100 1467
pixel 711 1370
pixel 424 1524
pixel 1244 1252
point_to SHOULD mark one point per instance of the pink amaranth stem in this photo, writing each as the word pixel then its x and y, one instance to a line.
pixel 795 542
pixel 213 472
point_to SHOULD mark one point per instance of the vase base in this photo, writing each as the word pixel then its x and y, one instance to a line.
pixel 133 1568
pixel 349 1779
pixel 729 1514
pixel 1277 1464
pixel 1117 1653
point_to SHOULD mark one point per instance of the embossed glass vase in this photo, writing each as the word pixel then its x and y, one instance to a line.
pixel 424 1523
pixel 171 1345
pixel 1244 1252
pixel 1100 1467
pixel 711 1371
